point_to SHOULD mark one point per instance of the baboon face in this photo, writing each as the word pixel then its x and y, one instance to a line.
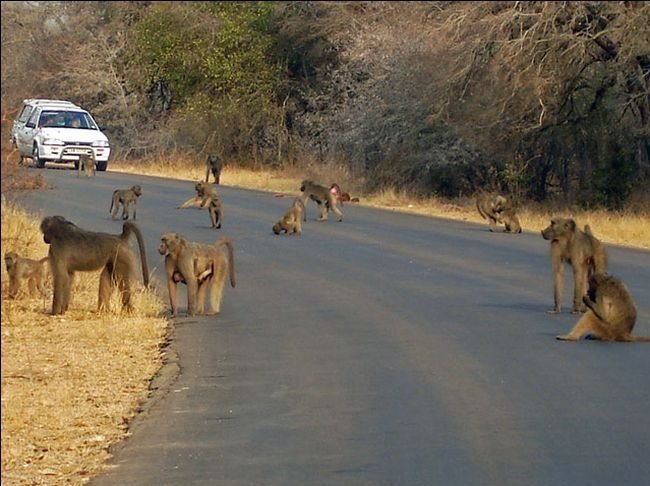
pixel 137 190
pixel 304 184
pixel 558 228
pixel 169 244
pixel 213 160
pixel 53 226
pixel 277 228
pixel 10 260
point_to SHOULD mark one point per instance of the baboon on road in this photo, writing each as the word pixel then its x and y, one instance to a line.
pixel 290 222
pixel 581 250
pixel 22 269
pixel 88 164
pixel 497 209
pixel 611 312
pixel 322 196
pixel 206 196
pixel 125 197
pixel 74 249
pixel 214 165
pixel 199 266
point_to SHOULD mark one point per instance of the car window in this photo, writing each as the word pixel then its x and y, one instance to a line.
pixel 24 114
pixel 32 119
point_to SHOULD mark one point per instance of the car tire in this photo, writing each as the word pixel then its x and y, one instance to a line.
pixel 101 166
pixel 36 160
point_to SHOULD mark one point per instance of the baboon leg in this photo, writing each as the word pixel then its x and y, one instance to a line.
pixel 558 287
pixel 588 324
pixel 579 288
pixel 215 218
pixel 323 212
pixel 122 276
pixel 493 223
pixel 297 228
pixel 62 283
pixel 41 287
pixel 115 207
pixel 192 202
pixel 216 291
pixel 105 290
pixel 135 208
pixel 200 298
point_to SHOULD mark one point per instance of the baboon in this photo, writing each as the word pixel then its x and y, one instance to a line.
pixel 611 312
pixel 198 266
pixel 74 249
pixel 581 250
pixel 290 222
pixel 322 196
pixel 21 269
pixel 126 197
pixel 497 209
pixel 207 196
pixel 88 164
pixel 214 165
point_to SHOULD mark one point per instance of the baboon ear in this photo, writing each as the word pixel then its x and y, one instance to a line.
pixel 570 225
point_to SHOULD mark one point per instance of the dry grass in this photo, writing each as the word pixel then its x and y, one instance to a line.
pixel 70 384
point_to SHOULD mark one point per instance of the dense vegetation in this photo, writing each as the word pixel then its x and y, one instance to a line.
pixel 541 99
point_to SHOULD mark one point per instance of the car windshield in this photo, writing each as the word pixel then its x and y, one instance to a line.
pixel 66 119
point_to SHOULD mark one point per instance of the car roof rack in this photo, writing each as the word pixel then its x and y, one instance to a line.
pixel 46 102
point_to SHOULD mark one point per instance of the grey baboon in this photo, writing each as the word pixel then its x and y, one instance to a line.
pixel 291 221
pixel 199 266
pixel 206 196
pixel 611 312
pixel 214 165
pixel 88 164
pixel 498 209
pixel 323 197
pixel 581 250
pixel 74 249
pixel 125 197
pixel 22 269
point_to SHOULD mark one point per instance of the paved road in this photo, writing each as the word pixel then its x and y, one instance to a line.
pixel 389 349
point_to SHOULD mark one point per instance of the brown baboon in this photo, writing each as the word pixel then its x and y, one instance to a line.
pixel 198 266
pixel 207 196
pixel 581 250
pixel 290 222
pixel 611 312
pixel 126 197
pixel 497 209
pixel 88 164
pixel 74 249
pixel 21 269
pixel 214 165
pixel 322 196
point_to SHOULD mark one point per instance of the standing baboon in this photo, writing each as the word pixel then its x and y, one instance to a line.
pixel 21 269
pixel 207 196
pixel 290 222
pixel 74 249
pixel 126 197
pixel 497 209
pixel 214 165
pixel 88 164
pixel 322 196
pixel 611 312
pixel 198 266
pixel 581 250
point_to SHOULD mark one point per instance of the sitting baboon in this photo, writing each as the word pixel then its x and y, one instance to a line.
pixel 581 250
pixel 125 197
pixel 88 164
pixel 207 196
pixel 214 165
pixel 611 312
pixel 74 249
pixel 322 196
pixel 198 266
pixel 21 269
pixel 290 222
pixel 497 209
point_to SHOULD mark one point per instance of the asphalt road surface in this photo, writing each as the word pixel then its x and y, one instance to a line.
pixel 389 349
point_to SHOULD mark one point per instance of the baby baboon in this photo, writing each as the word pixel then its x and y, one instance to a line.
pixel 198 266
pixel 497 209
pixel 214 165
pixel 21 269
pixel 74 249
pixel 290 222
pixel 581 250
pixel 611 312
pixel 207 196
pixel 88 164
pixel 126 197
pixel 322 196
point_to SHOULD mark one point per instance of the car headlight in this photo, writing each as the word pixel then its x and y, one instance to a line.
pixel 100 143
pixel 52 141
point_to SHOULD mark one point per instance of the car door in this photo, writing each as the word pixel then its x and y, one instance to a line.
pixel 25 135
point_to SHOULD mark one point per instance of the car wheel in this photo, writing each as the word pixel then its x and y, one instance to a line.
pixel 101 166
pixel 36 160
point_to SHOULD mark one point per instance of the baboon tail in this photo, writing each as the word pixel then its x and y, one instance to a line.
pixel 223 241
pixel 112 201
pixel 480 210
pixel 600 261
pixel 639 339
pixel 127 229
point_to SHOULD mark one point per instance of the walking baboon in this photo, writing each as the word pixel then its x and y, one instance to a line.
pixel 125 197
pixel 322 196
pixel 199 266
pixel 88 164
pixel 22 269
pixel 581 250
pixel 290 222
pixel 74 249
pixel 207 196
pixel 214 165
pixel 611 312
pixel 497 209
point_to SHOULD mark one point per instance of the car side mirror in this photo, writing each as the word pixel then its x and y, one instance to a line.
pixel 30 125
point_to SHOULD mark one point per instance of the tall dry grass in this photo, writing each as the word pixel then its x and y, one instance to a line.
pixel 70 384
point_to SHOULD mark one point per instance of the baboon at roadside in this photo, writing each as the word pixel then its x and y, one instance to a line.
pixel 22 269
pixel 497 209
pixel 88 164
pixel 74 249
pixel 199 266
pixel 290 222
pixel 207 196
pixel 322 196
pixel 581 250
pixel 611 312
pixel 125 197
pixel 214 165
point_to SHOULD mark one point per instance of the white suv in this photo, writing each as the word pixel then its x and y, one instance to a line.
pixel 58 131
